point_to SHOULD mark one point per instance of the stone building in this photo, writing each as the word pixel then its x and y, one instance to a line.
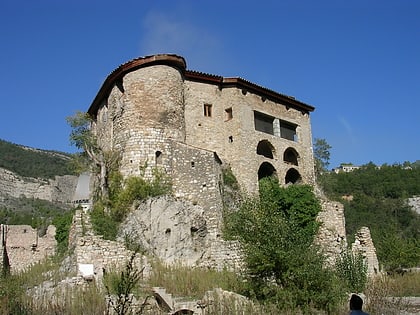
pixel 159 114
pixel 192 125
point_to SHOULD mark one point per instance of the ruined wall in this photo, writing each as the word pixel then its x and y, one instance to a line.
pixel 24 246
pixel 332 232
pixel 363 244
pixel 90 249
pixel 60 189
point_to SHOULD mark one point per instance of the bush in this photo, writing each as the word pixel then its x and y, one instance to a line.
pixel 352 270
pixel 277 232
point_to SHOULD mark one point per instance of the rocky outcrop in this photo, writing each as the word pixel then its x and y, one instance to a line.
pixel 178 231
pixel 60 189
pixel 414 203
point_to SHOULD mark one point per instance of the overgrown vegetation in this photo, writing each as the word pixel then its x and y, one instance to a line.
pixel 123 194
pixel 351 268
pixel 276 231
pixel 376 197
pixel 33 163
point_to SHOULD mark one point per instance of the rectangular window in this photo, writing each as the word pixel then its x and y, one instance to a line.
pixel 228 114
pixel 288 130
pixel 207 110
pixel 263 122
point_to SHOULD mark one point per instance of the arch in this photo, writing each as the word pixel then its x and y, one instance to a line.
pixel 266 149
pixel 158 157
pixel 292 176
pixel 184 311
pixel 266 170
pixel 291 156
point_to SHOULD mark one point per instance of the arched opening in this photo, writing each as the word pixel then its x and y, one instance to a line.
pixel 265 148
pixel 158 158
pixel 291 156
pixel 292 177
pixel 266 170
pixel 184 311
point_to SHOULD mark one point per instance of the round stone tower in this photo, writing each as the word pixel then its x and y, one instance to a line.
pixel 142 112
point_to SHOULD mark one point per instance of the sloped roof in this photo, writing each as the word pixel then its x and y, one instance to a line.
pixel 179 63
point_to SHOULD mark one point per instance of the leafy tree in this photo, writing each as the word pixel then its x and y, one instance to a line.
pixel 321 155
pixel 276 232
pixel 84 139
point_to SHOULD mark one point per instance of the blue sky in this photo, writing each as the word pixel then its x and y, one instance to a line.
pixel 357 62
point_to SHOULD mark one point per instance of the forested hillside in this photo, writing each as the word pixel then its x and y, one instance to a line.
pixel 30 162
pixel 377 197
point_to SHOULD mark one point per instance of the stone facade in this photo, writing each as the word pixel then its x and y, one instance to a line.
pixel 191 125
pixel 150 103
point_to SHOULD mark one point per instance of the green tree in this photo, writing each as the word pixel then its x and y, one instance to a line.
pixel 84 139
pixel 276 232
pixel 321 155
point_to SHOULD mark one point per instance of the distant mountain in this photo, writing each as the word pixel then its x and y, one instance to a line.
pixel 36 163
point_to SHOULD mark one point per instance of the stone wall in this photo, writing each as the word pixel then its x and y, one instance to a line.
pixel 235 139
pixel 141 109
pixel 363 244
pixel 24 246
pixel 60 189
pixel 332 232
pixel 102 255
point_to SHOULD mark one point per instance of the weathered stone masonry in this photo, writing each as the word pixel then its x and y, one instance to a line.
pixel 147 104
pixel 191 125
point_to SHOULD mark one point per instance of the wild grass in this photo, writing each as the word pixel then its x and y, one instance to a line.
pixel 192 282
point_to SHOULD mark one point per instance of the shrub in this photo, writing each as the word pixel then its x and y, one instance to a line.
pixel 352 270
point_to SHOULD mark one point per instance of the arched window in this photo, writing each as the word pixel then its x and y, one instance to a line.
pixel 291 156
pixel 266 149
pixel 158 158
pixel 266 170
pixel 292 176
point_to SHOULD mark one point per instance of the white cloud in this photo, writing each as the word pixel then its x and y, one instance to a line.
pixel 166 33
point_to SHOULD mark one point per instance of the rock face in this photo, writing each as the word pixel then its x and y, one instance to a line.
pixel 178 231
pixel 414 203
pixel 60 189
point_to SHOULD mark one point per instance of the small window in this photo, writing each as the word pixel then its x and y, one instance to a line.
pixel 207 110
pixel 228 113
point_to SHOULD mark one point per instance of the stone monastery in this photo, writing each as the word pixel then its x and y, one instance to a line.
pixel 159 114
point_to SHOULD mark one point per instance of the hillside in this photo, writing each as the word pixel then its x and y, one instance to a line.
pixel 378 197
pixel 35 163
pixel 35 185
